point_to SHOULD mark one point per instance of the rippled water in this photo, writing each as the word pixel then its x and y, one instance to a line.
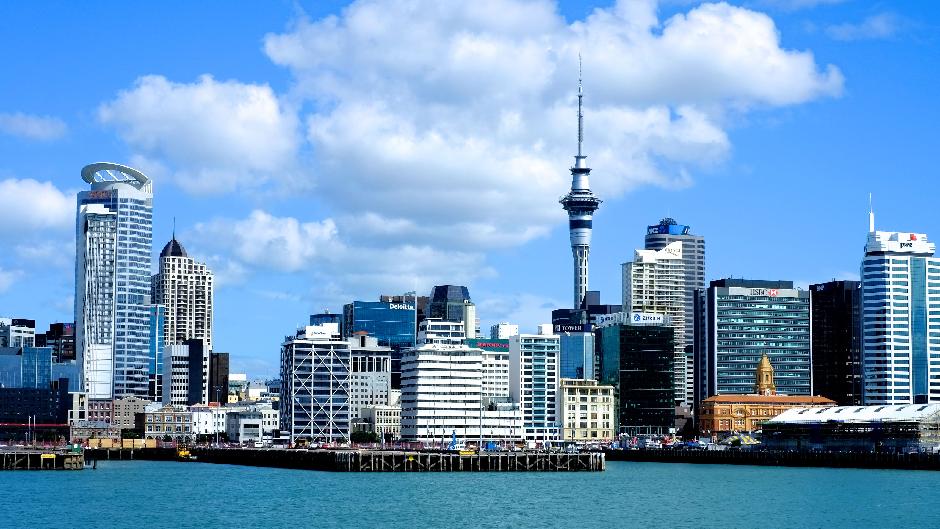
pixel 166 494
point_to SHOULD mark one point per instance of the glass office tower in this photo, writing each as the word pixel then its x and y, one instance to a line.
pixel 744 319
pixel 392 324
pixel 114 227
pixel 900 319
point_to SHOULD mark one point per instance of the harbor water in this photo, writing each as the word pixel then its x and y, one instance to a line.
pixel 129 494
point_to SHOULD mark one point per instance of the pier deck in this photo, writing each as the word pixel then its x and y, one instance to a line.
pixel 405 461
pixel 40 460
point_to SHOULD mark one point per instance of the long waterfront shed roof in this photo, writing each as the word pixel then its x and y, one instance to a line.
pixel 892 413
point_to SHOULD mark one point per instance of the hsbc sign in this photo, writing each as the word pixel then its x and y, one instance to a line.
pixel 771 292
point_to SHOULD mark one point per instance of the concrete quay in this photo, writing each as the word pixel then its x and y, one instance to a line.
pixel 880 460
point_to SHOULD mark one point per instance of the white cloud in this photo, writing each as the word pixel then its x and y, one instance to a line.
pixel 338 271
pixel 279 243
pixel 8 278
pixel 459 131
pixel 216 136
pixel 29 205
pixel 880 26
pixel 32 127
pixel 433 145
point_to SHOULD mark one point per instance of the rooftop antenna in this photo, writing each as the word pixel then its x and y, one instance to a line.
pixel 871 216
pixel 174 227
pixel 580 114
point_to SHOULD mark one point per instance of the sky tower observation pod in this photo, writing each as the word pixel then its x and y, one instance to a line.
pixel 103 175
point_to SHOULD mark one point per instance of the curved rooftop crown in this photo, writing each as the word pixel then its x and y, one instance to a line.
pixel 110 172
pixel 173 249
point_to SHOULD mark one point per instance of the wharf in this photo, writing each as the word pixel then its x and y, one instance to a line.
pixel 41 460
pixel 371 460
pixel 405 461
pixel 880 460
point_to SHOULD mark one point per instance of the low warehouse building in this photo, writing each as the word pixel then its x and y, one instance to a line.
pixel 904 428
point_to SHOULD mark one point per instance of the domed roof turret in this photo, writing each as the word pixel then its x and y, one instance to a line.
pixel 173 249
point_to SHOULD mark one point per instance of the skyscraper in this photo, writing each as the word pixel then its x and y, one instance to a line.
pixel 743 320
pixel 654 282
pixel 837 327
pixel 692 261
pixel 112 281
pixel 185 287
pixel 452 303
pixel 900 322
pixel 580 203
pixel 637 359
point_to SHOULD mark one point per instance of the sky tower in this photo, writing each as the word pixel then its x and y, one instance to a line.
pixel 580 203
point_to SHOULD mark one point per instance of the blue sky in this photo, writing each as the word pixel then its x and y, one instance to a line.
pixel 319 152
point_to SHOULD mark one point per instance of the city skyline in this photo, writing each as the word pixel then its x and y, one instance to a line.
pixel 289 240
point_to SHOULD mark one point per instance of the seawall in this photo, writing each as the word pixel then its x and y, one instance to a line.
pixel 774 458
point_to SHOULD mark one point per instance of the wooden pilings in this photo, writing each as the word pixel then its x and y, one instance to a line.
pixel 37 460
pixel 400 461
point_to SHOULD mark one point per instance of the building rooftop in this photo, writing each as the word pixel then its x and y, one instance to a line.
pixel 173 249
pixel 770 399
pixel 895 413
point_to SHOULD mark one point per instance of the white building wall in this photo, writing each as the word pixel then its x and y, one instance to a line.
pixel 534 383
pixel 442 397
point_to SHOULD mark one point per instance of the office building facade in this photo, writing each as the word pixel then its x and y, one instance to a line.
pixel 185 288
pixel 114 227
pixel 370 374
pixel 637 360
pixel 900 319
pixel 658 236
pixel 743 320
pixel 61 338
pixel 586 411
pixel 654 282
pixel 442 398
pixel 503 330
pixel 17 332
pixel 837 344
pixel 155 352
pixel 534 363
pixel 314 401
pixel 391 324
pixel 218 377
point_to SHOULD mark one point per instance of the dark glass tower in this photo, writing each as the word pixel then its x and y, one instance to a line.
pixel 638 360
pixel 837 353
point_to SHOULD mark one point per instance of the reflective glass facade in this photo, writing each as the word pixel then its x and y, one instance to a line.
pixel 577 355
pixel 638 361
pixel 112 300
pixel 392 324
pixel 748 318
pixel 37 367
pixel 900 319
pixel 155 354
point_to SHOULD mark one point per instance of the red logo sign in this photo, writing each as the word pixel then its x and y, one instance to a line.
pixel 772 292
pixel 913 237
